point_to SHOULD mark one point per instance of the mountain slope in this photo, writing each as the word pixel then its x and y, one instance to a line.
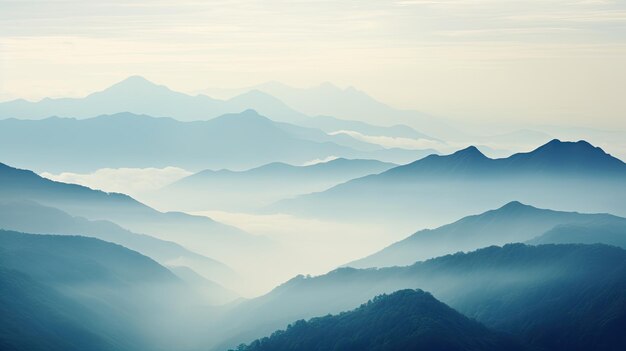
pixel 34 317
pixel 30 217
pixel 514 222
pixel 234 141
pixel 575 176
pixel 557 297
pixel 205 235
pixel 258 187
pixel 104 289
pixel 404 320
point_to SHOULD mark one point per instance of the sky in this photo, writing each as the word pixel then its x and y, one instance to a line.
pixel 538 61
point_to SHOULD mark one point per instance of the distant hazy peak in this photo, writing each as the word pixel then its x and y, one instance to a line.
pixel 469 152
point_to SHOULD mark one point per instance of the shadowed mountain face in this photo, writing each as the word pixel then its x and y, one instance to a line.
pixel 98 295
pixel 514 222
pixel 436 189
pixel 235 141
pixel 258 187
pixel 556 297
pixel 138 95
pixel 30 217
pixel 202 233
pixel 404 320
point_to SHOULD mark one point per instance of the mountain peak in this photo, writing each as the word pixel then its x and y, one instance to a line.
pixel 135 84
pixel 470 151
pixel 514 205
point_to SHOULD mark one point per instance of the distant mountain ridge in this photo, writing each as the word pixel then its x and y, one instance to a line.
pixel 257 187
pixel 136 94
pixel 511 223
pixel 554 157
pixel 235 141
pixel 575 176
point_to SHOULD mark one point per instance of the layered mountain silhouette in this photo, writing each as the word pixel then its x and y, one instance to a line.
pixel 31 217
pixel 511 223
pixel 327 99
pixel 404 320
pixel 77 293
pixel 436 189
pixel 138 95
pixel 235 141
pixel 205 235
pixel 555 297
pixel 258 187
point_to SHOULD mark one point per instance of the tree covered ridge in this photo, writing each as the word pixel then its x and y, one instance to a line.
pixel 406 319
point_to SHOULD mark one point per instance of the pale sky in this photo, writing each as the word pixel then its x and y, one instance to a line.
pixel 538 61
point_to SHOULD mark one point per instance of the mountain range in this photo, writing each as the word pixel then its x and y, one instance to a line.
pixel 261 186
pixel 235 141
pixel 512 223
pixel 554 297
pixel 20 216
pixel 348 103
pixel 137 95
pixel 434 190
pixel 208 237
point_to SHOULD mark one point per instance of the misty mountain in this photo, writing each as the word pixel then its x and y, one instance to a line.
pixel 605 232
pixel 211 291
pixel 205 235
pixel 511 223
pixel 234 141
pixel 258 187
pixel 140 96
pixel 31 217
pixel 555 297
pixel 335 125
pixel 404 320
pixel 329 100
pixel 108 295
pixel 437 189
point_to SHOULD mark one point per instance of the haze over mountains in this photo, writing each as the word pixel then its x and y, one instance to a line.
pixel 77 293
pixel 235 141
pixel 541 294
pixel 436 189
pixel 404 319
pixel 258 187
pixel 18 216
pixel 278 182
pixel 512 223
pixel 206 236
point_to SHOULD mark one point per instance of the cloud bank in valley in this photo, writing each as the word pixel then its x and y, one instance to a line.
pixel 132 181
